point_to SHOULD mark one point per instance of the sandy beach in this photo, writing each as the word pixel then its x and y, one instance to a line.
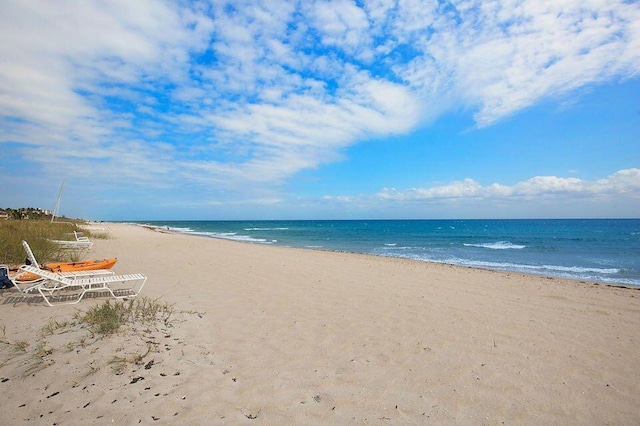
pixel 271 335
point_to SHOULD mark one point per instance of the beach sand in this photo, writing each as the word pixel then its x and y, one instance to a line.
pixel 271 335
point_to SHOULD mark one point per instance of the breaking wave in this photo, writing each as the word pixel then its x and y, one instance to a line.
pixel 498 245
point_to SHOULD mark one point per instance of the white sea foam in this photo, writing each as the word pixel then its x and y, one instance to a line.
pixel 396 247
pixel 266 229
pixel 233 236
pixel 569 270
pixel 498 245
pixel 177 229
pixel 167 228
pixel 607 275
pixel 581 270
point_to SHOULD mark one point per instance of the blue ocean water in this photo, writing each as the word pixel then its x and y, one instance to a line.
pixel 598 250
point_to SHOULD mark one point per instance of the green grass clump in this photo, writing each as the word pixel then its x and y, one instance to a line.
pixel 107 318
pixel 99 235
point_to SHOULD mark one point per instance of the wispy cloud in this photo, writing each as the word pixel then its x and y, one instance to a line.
pixel 242 93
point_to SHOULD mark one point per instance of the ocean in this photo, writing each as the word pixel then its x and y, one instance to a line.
pixel 596 250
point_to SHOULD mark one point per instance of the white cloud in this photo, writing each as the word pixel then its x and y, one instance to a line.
pixel 341 24
pixel 525 52
pixel 460 189
pixel 624 182
pixel 57 61
pixel 252 92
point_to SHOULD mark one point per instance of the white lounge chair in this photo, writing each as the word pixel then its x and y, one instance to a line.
pixel 80 237
pixel 70 274
pixel 80 243
pixel 23 287
pixel 62 290
pixel 26 287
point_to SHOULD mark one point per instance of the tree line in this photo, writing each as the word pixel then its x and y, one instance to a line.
pixel 24 213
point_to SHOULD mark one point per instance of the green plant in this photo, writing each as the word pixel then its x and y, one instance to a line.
pixel 20 346
pixel 151 310
pixel 38 234
pixel 43 350
pixel 100 235
pixel 91 369
pixel 119 363
pixel 108 317
pixel 38 361
pixel 52 326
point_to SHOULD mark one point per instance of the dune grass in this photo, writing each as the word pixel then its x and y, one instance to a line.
pixel 107 318
pixel 124 318
pixel 36 233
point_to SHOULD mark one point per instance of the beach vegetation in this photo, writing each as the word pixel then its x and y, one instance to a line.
pixel 38 234
pixel 100 235
pixel 38 360
pixel 192 312
pixel 118 320
pixel 120 363
pixel 91 370
pixel 43 349
pixel 50 328
pixel 108 317
pixel 9 349
pixel 20 346
pixel 105 318
pixel 16 347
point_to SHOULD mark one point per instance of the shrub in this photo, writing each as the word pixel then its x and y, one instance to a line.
pixel 37 233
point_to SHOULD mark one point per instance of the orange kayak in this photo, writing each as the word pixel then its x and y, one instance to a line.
pixel 85 265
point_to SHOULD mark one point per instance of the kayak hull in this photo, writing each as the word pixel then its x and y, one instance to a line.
pixel 86 265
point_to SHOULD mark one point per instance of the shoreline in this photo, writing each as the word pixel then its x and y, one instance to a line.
pixel 166 230
pixel 276 335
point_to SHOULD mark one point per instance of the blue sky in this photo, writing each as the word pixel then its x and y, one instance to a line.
pixel 321 109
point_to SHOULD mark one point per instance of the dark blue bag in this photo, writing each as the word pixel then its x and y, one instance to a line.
pixel 5 282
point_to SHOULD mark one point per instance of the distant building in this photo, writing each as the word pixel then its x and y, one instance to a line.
pixel 4 215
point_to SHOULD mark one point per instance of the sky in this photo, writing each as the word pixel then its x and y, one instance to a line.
pixel 224 110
